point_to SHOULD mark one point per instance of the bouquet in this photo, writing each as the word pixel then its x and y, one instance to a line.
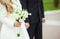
pixel 20 15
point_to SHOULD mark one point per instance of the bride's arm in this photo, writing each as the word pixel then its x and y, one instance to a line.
pixel 4 19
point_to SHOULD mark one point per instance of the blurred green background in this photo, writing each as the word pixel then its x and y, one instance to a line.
pixel 49 5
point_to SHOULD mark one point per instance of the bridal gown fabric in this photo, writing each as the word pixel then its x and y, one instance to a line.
pixel 8 31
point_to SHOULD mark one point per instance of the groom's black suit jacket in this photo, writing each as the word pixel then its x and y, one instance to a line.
pixel 35 7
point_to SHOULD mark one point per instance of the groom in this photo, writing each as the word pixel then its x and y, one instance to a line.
pixel 35 7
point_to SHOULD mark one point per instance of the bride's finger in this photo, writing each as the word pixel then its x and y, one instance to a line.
pixel 17 24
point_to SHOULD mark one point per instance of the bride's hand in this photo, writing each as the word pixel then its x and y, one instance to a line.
pixel 27 25
pixel 17 24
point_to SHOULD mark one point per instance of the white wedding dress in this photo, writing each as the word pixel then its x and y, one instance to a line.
pixel 8 31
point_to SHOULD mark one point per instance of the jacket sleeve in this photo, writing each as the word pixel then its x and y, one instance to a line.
pixel 25 6
pixel 5 20
pixel 41 8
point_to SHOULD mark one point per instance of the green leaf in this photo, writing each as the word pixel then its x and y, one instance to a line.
pixel 18 35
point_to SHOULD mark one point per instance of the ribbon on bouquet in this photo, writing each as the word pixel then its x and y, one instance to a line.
pixel 20 15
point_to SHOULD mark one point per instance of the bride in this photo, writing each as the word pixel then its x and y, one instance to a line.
pixel 10 26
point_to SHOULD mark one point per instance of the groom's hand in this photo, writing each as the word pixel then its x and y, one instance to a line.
pixel 27 25
pixel 43 20
pixel 17 24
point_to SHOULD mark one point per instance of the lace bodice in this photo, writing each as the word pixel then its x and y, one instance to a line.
pixel 17 4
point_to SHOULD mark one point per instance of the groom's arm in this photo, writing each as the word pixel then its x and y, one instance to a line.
pixel 25 6
pixel 40 2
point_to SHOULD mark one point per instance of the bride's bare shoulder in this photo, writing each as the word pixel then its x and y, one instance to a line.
pixel 1 6
pixel 2 9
